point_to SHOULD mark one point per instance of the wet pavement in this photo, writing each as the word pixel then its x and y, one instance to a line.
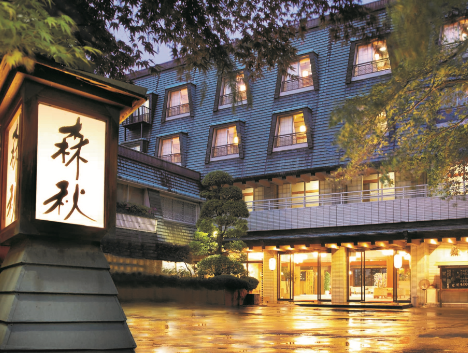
pixel 171 328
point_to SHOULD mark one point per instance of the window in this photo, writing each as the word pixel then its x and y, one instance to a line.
pixel 226 97
pixel 225 143
pixel 178 210
pixel 455 32
pixel 127 193
pixel 299 77
pixel 290 132
pixel 371 60
pixel 178 104
pixel 170 150
pixel 453 107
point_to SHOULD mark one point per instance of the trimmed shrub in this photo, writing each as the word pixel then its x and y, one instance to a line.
pixel 135 210
pixel 216 265
pixel 223 282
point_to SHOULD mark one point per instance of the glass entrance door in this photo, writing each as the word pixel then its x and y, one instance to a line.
pixel 306 276
pixel 285 277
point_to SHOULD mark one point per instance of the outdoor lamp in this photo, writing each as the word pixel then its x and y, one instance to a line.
pixel 302 128
pixel 397 261
pixel 272 264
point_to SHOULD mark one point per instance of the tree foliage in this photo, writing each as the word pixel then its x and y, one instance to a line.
pixel 224 213
pixel 217 265
pixel 415 122
pixel 221 34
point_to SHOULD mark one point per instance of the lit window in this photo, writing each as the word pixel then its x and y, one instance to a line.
pixel 371 59
pixel 455 32
pixel 178 103
pixel 170 150
pixel 226 96
pixel 225 143
pixel 290 132
pixel 299 76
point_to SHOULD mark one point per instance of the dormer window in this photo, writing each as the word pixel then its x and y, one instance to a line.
pixel 455 32
pixel 299 77
pixel 226 97
pixel 178 104
pixel 170 150
pixel 371 60
pixel 291 132
pixel 225 143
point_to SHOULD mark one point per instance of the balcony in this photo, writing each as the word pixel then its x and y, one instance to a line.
pixel 296 83
pixel 173 158
pixel 178 110
pixel 141 115
pixel 229 98
pixel 388 205
pixel 371 67
pixel 225 150
pixel 290 139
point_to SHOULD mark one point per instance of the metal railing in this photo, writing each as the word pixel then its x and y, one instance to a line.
pixel 142 114
pixel 385 194
pixel 290 139
pixel 296 83
pixel 173 158
pixel 229 98
pixel 371 67
pixel 225 150
pixel 178 109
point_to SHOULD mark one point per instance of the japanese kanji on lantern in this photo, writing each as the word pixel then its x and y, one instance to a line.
pixel 70 167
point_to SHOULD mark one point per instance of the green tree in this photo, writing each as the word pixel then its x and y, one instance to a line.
pixel 223 215
pixel 209 34
pixel 398 126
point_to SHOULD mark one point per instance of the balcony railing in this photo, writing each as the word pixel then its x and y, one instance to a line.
pixel 178 110
pixel 173 158
pixel 229 98
pixel 290 139
pixel 225 150
pixel 341 198
pixel 371 67
pixel 296 83
pixel 141 115
pixel 388 205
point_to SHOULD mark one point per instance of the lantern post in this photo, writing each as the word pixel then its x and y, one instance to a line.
pixel 59 139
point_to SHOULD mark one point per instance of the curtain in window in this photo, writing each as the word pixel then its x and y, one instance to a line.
pixel 305 68
pixel 286 125
pixel 451 33
pixel 184 96
pixel 221 137
pixel 175 99
pixel 175 145
pixel 364 54
pixel 166 147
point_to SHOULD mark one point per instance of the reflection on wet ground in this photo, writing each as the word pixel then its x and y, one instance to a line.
pixel 171 328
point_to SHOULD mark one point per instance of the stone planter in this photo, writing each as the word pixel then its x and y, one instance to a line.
pixel 252 299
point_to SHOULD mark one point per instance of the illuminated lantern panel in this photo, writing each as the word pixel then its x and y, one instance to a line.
pixel 398 261
pixel 70 167
pixel 272 264
pixel 11 160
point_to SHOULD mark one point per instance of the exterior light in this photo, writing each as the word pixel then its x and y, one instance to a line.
pixel 236 140
pixel 397 261
pixel 305 73
pixel 302 128
pixel 242 88
pixel 272 264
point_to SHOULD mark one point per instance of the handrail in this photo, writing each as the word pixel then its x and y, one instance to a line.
pixel 142 114
pixel 290 139
pixel 319 200
pixel 224 150
pixel 178 109
pixel 229 98
pixel 297 83
pixel 371 67
pixel 173 158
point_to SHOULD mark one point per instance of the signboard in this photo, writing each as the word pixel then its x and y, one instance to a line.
pixel 11 159
pixel 454 278
pixel 70 167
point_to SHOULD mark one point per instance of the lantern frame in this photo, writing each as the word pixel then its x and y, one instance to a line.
pixel 28 98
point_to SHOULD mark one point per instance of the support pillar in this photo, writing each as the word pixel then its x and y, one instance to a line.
pixel 339 274
pixel 58 295
pixel 270 277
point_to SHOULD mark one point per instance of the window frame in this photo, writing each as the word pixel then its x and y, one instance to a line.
pixel 183 141
pixel 171 139
pixel 353 52
pixel 240 127
pixel 313 57
pixel 220 86
pixel 190 92
pixel 308 122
